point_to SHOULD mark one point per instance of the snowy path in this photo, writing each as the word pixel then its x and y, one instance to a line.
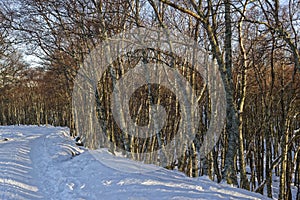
pixel 17 174
pixel 43 163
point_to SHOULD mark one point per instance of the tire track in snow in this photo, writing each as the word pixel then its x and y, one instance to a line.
pixel 16 171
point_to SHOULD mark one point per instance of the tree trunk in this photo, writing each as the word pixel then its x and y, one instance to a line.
pixel 244 183
pixel 283 169
pixel 231 121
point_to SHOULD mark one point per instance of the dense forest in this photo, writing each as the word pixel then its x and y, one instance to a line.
pixel 254 45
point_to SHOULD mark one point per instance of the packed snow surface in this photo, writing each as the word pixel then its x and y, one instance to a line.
pixel 44 163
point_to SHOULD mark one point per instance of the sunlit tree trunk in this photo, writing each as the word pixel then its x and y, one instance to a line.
pixel 242 83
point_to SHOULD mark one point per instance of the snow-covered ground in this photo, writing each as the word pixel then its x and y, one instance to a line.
pixel 44 163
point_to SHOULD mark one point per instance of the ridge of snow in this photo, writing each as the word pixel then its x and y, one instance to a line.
pixel 44 163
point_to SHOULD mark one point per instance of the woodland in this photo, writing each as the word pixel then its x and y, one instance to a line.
pixel 254 44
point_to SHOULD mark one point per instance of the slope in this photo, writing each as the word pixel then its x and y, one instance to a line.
pixel 44 163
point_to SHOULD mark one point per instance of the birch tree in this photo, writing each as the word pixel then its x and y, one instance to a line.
pixel 206 15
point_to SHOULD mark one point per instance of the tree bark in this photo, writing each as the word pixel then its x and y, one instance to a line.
pixel 231 121
pixel 244 183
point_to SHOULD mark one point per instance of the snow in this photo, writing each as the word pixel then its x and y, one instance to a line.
pixel 44 163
